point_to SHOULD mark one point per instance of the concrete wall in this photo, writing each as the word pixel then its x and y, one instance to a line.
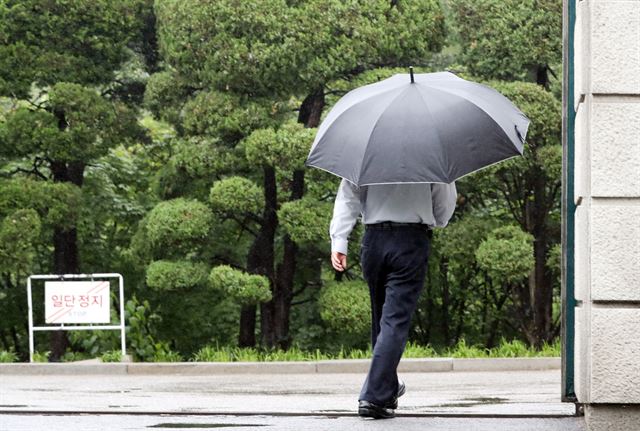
pixel 607 222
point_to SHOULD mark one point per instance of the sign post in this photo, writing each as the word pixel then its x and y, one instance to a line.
pixel 69 300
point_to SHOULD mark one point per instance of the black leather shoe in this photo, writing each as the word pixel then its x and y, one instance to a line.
pixel 393 404
pixel 371 410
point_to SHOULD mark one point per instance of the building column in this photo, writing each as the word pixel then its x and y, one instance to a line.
pixel 607 217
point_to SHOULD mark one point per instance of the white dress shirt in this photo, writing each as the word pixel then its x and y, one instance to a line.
pixel 428 203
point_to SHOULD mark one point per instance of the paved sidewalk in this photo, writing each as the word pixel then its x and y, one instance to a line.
pixel 490 393
pixel 522 400
pixel 278 423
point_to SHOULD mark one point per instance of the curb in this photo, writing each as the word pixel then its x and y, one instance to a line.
pixel 419 365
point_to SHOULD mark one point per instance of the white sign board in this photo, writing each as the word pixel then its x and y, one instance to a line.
pixel 76 302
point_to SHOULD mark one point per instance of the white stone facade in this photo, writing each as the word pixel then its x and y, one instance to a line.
pixel 607 218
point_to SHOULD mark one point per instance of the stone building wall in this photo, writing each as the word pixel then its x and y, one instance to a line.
pixel 607 218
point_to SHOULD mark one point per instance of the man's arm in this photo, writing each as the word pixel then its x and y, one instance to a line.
pixel 443 197
pixel 346 210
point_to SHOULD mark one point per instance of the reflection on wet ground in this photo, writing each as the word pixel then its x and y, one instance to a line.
pixel 203 425
pixel 476 401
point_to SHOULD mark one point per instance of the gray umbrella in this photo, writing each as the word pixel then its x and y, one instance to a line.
pixel 435 128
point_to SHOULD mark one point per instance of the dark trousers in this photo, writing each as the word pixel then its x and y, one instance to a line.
pixel 394 264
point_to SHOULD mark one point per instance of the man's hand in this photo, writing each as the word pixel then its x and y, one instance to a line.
pixel 339 261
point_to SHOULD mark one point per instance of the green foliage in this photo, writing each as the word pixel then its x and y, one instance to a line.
pixel 506 349
pixel 306 220
pixel 41 356
pixel 235 75
pixel 18 234
pixel 345 306
pixel 399 44
pixel 111 356
pixel 57 204
pixel 511 349
pixel 47 42
pixel 72 356
pixel 140 248
pixel 7 356
pixel 460 240
pixel 165 354
pixel 245 288
pixel 178 226
pixel 167 275
pixel 554 259
pixel 236 197
pixel 115 197
pixel 291 354
pixel 506 254
pixel 27 131
pixel 553 349
pixel 550 157
pixel 276 47
pixel 202 157
pixel 193 317
pixel 506 38
pixel 216 354
pixel 463 350
pixel 164 96
pixel 249 354
pixel 227 116
pixel 94 342
pixel 415 350
pixel 87 114
pixel 286 148
pixel 75 124
pixel 141 330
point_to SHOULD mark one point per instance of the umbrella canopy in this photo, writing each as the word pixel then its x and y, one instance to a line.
pixel 427 128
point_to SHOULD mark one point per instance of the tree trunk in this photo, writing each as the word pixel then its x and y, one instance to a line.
pixel 5 341
pixel 247 336
pixel 427 331
pixel 542 76
pixel 261 257
pixel 445 302
pixel 460 313
pixel 493 329
pixel 543 298
pixel 280 305
pixel 540 282
pixel 311 109
pixel 65 248
pixel 286 273
pixel 16 342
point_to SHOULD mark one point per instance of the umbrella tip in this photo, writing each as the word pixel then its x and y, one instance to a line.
pixel 411 73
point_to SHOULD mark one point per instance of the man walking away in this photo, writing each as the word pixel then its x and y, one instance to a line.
pixel 395 248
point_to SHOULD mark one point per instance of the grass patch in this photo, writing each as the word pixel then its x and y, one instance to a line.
pixel 8 356
pixel 506 349
pixel 111 356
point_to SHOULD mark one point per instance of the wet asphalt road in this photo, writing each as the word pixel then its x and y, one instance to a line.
pixel 469 401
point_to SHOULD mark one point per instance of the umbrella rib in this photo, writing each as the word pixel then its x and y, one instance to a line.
pixel 455 92
pixel 426 105
pixel 374 128
pixel 324 129
pixel 475 105
pixel 366 99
